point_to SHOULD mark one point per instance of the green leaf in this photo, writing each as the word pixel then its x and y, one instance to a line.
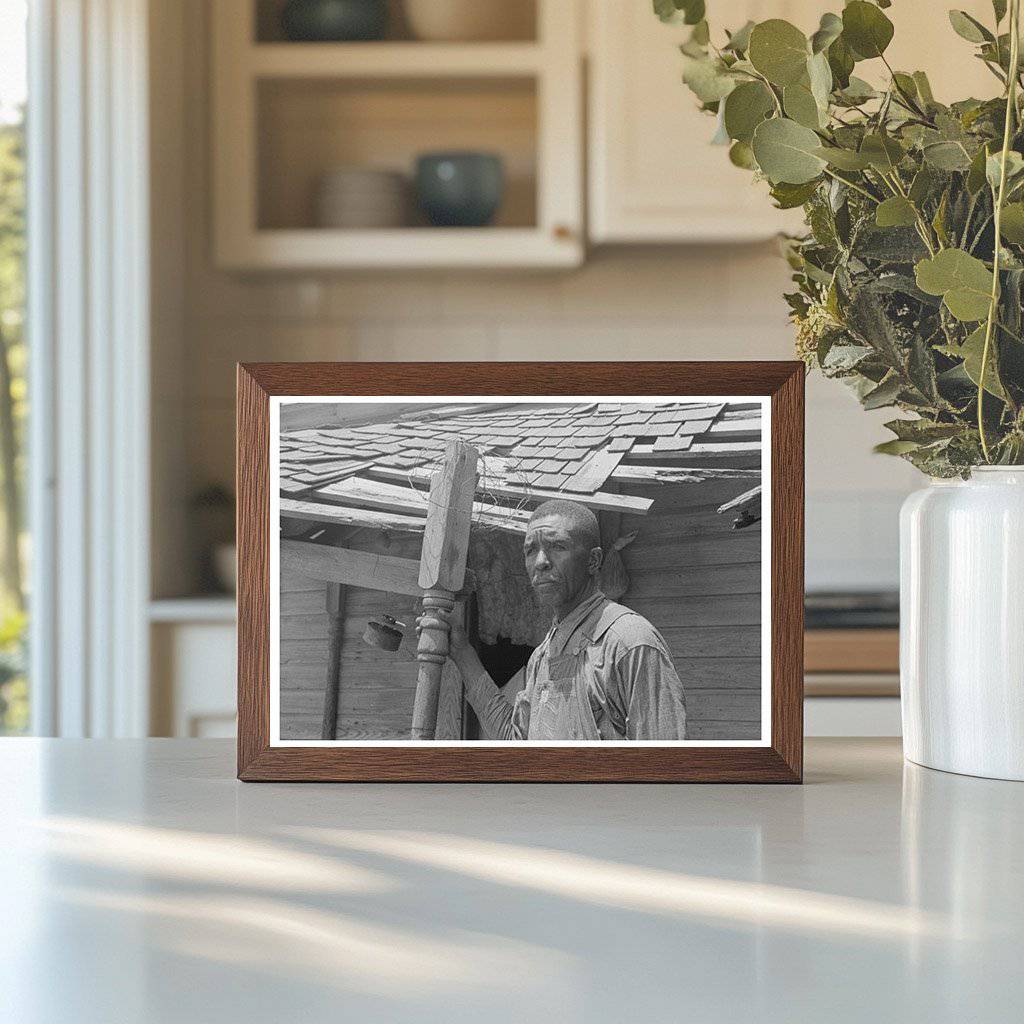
pixel 895 212
pixel 866 29
pixel 779 51
pixel 693 10
pixel 999 9
pixel 701 34
pixel 939 220
pixel 786 151
pixel 788 197
pixel 1012 223
pixel 819 74
pixel 844 159
pixel 883 152
pixel 993 167
pixel 885 394
pixel 971 352
pixel 963 281
pixel 895 447
pixel 801 106
pixel 690 12
pixel 721 136
pixel 969 28
pixel 922 185
pixel 841 63
pixel 976 174
pixel 857 91
pixel 924 88
pixel 739 41
pixel 741 155
pixel 666 10
pixel 829 30
pixel 905 84
pixel 745 108
pixel 947 156
pixel 707 78
pixel 922 431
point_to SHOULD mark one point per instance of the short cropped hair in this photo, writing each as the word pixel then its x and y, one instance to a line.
pixel 582 520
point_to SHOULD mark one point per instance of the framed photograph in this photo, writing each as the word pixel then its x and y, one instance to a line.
pixel 520 571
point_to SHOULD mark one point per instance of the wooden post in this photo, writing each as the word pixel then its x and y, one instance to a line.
pixel 335 635
pixel 442 574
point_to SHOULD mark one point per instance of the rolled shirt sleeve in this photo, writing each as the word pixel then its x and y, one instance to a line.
pixel 504 719
pixel 653 692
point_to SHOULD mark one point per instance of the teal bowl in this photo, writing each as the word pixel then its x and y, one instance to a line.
pixel 460 189
pixel 334 21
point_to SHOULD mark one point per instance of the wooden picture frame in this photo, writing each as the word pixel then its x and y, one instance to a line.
pixel 779 755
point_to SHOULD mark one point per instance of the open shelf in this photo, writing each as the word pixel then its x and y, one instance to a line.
pixel 520 23
pixel 388 60
pixel 309 127
pixel 286 114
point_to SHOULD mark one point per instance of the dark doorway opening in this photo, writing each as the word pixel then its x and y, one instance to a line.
pixel 503 660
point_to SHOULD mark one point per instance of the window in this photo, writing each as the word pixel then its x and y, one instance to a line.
pixel 14 691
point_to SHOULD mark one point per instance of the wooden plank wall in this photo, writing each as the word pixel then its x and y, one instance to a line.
pixel 691 575
pixel 699 582
pixel 377 687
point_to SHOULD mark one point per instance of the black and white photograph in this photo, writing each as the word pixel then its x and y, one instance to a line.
pixel 512 570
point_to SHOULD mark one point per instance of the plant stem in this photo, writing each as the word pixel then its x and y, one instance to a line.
pixel 1011 108
pixel 853 185
pixel 907 99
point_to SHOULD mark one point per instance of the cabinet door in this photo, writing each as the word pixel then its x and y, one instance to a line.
pixel 654 177
pixel 653 174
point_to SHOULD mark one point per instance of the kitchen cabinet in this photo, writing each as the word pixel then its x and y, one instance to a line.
pixel 654 177
pixel 287 114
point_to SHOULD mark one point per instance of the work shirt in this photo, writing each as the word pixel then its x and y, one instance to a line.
pixel 601 673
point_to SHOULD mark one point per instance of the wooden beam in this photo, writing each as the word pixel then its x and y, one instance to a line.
pixel 600 501
pixel 352 568
pixel 442 573
pixel 745 499
pixel 337 515
pixel 747 426
pixel 399 497
pixel 335 641
pixel 452 694
pixel 680 474
pixel 593 473
pixel 697 453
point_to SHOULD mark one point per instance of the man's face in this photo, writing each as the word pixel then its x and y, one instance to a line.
pixel 558 563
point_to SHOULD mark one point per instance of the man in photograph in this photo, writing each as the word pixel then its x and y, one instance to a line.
pixel 603 672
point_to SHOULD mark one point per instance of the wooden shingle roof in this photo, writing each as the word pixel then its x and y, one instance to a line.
pixel 529 452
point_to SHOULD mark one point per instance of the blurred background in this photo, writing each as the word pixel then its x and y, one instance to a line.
pixel 361 180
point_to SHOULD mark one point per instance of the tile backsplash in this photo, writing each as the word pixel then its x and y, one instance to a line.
pixel 671 303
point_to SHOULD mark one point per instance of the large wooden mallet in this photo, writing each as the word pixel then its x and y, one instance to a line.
pixel 442 574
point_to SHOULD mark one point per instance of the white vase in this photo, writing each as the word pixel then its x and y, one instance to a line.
pixel 962 624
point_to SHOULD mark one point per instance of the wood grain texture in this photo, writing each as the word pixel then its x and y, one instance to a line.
pixel 781 762
pixel 335 638
pixel 852 650
pixel 491 488
pixel 353 568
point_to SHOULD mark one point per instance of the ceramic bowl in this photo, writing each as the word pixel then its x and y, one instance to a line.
pixel 470 20
pixel 460 189
pixel 333 21
pixel 359 197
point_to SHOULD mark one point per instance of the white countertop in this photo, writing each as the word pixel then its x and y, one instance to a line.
pixel 140 882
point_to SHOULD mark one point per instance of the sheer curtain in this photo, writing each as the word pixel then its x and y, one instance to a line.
pixel 88 301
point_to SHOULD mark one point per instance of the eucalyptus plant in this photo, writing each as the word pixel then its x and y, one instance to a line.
pixel 910 278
